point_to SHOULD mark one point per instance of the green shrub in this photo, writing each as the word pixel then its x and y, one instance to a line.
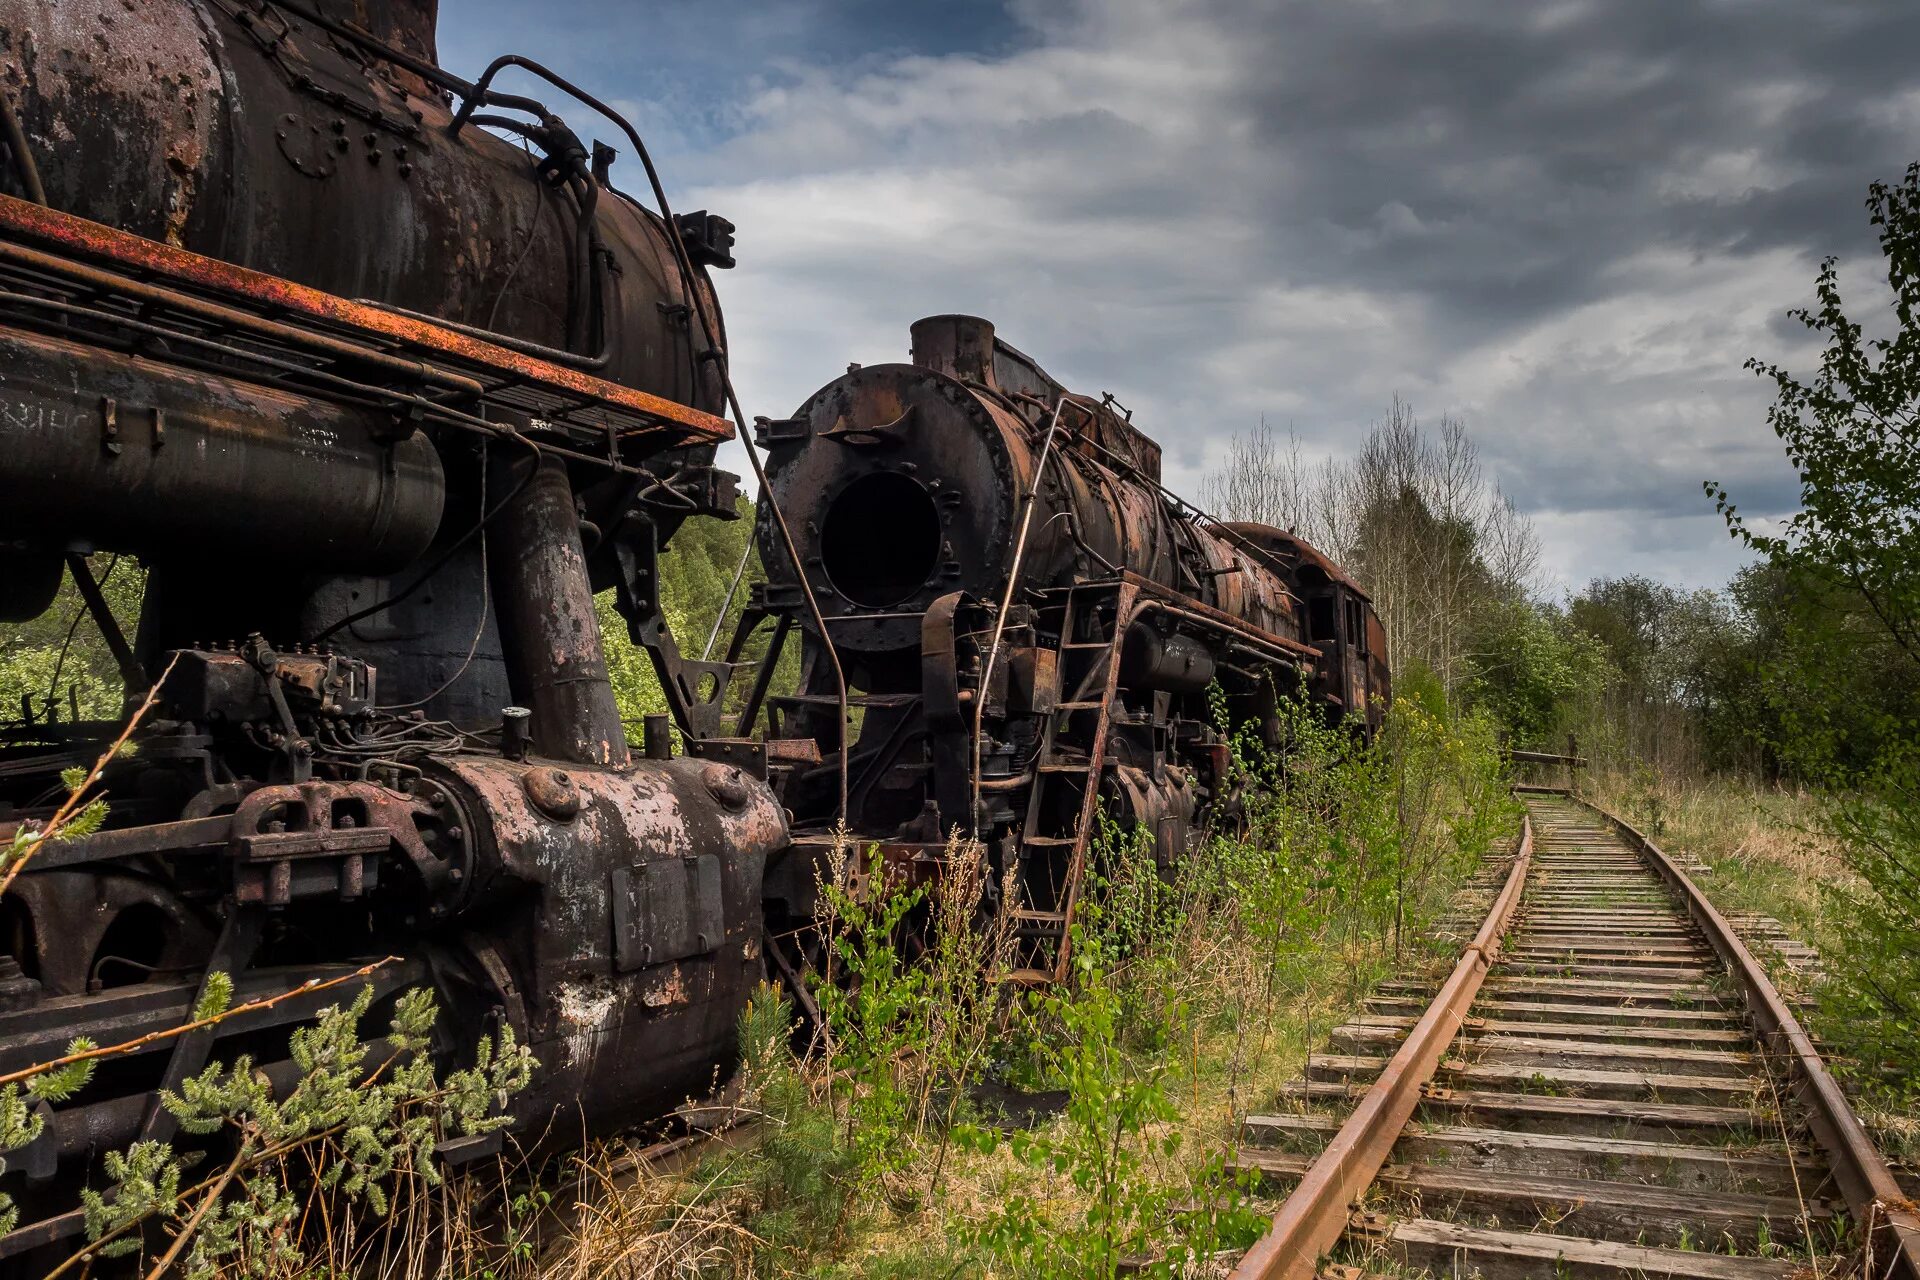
pixel 1873 1004
pixel 1110 1145
pixel 353 1125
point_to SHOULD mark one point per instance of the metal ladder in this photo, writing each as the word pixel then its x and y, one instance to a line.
pixel 1066 786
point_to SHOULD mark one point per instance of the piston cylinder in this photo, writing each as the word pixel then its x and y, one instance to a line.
pixel 1177 663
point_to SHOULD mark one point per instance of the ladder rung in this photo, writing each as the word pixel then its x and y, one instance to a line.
pixel 1082 767
pixel 1078 706
pixel 1087 644
pixel 1042 917
pixel 1051 841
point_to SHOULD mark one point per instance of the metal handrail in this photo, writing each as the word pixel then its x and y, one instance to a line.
pixel 1006 602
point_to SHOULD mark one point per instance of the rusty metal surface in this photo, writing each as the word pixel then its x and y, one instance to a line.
pixel 1286 545
pixel 623 1031
pixel 1284 647
pixel 131 63
pixel 555 661
pixel 919 473
pixel 1874 1198
pixel 128 454
pixel 1353 664
pixel 1315 1215
pixel 379 406
pixel 435 350
pixel 248 133
pixel 947 514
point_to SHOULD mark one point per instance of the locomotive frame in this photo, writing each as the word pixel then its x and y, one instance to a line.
pixel 381 400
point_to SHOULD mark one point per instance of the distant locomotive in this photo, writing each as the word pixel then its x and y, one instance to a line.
pixel 1029 625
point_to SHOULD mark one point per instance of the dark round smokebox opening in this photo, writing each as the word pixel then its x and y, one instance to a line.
pixel 880 542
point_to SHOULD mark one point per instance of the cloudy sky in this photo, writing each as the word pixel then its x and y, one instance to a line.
pixel 1566 222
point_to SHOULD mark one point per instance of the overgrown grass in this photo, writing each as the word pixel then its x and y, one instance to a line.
pixel 940 1122
pixel 946 1125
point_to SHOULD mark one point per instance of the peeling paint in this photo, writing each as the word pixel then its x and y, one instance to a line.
pixel 584 1011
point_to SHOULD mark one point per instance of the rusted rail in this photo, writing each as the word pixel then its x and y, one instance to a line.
pixel 1315 1215
pixel 1598 1114
pixel 1878 1205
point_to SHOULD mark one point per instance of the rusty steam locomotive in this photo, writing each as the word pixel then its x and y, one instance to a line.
pixel 379 399
pixel 1028 625
pixel 381 378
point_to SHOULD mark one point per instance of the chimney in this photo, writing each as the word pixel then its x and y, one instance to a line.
pixel 958 346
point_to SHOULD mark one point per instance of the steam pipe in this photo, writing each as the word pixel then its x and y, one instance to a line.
pixel 548 628
pixel 483 93
pixel 22 157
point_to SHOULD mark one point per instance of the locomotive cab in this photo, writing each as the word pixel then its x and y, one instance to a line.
pixel 1350 682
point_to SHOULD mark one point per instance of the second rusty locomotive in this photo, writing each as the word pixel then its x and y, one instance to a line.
pixel 1028 626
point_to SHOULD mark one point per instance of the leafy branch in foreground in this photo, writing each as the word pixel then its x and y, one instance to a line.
pixel 363 1121
pixel 78 814
pixel 25 1095
pixel 213 1008
pixel 1849 560
pixel 1853 434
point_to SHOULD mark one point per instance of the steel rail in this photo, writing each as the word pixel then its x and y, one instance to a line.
pixel 1875 1200
pixel 1314 1217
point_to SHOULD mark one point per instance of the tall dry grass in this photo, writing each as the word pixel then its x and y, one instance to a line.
pixel 1766 848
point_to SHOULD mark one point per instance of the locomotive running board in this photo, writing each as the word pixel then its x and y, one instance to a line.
pixel 1277 647
pixel 55 266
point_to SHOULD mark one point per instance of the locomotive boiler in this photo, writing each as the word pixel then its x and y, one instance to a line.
pixel 380 378
pixel 1029 626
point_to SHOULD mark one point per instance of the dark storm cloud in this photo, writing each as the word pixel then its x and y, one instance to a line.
pixel 1567 223
pixel 1539 144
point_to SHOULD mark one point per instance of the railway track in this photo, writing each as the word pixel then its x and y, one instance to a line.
pixel 1607 1085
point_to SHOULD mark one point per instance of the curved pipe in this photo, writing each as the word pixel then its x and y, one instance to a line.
pixel 482 94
